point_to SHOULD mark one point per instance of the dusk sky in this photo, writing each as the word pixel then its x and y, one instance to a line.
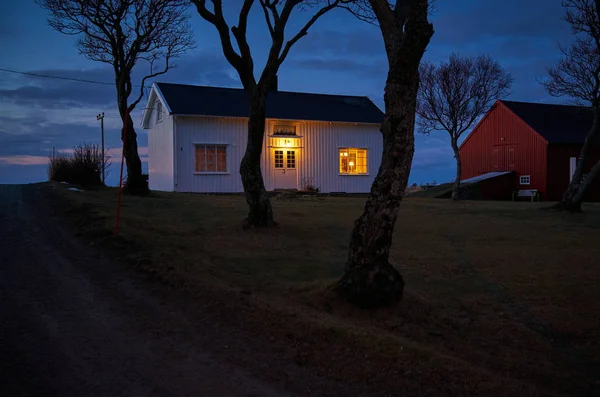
pixel 340 55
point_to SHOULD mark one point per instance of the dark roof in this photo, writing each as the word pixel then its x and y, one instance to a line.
pixel 556 123
pixel 233 102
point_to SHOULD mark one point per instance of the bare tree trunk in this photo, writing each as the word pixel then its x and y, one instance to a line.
pixel 571 200
pixel 135 182
pixel 260 211
pixel 369 279
pixel 456 186
pixel 592 175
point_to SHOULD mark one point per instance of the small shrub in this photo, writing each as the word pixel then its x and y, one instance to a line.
pixel 83 167
pixel 307 185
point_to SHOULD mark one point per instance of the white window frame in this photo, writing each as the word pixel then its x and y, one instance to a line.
pixel 521 180
pixel 159 112
pixel 340 148
pixel 225 145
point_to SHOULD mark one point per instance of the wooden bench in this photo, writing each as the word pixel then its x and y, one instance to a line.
pixel 533 193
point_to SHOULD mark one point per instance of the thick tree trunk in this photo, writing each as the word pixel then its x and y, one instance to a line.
pixel 591 177
pixel 370 280
pixel 260 211
pixel 456 186
pixel 571 200
pixel 135 182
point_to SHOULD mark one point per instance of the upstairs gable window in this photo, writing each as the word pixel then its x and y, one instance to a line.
pixel 159 111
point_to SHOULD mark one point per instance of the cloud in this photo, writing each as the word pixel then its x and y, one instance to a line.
pixel 362 42
pixel 360 67
pixel 24 160
pixel 472 21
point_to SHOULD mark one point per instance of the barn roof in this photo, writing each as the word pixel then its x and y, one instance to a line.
pixel 483 177
pixel 193 100
pixel 556 123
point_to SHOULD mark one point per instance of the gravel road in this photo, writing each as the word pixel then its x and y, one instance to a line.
pixel 75 323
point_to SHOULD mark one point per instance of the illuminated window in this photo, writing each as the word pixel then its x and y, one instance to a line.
pixel 291 159
pixel 211 158
pixel 353 161
pixel 159 114
pixel 284 129
pixel 278 158
pixel 525 180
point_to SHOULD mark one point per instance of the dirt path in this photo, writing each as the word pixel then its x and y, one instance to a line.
pixel 73 323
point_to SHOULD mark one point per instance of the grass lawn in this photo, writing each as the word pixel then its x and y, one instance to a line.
pixel 500 299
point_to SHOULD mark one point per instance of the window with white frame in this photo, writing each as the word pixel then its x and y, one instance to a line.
pixel 353 161
pixel 159 114
pixel 211 158
pixel 524 179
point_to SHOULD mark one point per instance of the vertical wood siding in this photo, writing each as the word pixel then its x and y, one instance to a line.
pixel 209 130
pixel 559 175
pixel 318 159
pixel 503 142
pixel 160 153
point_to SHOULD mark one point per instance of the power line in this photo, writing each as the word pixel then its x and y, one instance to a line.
pixel 62 78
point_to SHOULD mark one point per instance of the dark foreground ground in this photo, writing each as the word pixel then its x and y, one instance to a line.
pixel 74 323
pixel 501 298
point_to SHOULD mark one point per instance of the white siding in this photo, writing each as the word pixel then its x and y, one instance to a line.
pixel 318 159
pixel 209 130
pixel 160 153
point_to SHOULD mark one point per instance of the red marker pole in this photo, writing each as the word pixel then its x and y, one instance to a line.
pixel 121 174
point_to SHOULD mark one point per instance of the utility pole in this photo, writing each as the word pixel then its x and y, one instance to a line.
pixel 101 118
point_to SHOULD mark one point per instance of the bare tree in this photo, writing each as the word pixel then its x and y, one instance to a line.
pixel 122 33
pixel 577 76
pixel 369 279
pixel 453 95
pixel 277 15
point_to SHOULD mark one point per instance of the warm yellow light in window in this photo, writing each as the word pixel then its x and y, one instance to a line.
pixel 345 154
pixel 351 164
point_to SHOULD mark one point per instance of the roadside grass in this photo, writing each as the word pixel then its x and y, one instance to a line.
pixel 501 298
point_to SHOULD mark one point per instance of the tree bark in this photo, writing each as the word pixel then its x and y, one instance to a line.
pixel 369 279
pixel 572 197
pixel 592 175
pixel 135 182
pixel 456 186
pixel 260 210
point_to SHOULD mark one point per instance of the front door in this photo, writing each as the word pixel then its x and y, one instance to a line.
pixel 284 161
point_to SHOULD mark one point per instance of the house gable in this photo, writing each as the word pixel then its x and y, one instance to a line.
pixel 501 142
pixel 151 108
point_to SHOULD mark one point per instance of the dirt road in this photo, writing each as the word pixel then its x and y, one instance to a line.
pixel 74 323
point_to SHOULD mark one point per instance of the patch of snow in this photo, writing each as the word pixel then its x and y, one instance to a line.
pixel 75 189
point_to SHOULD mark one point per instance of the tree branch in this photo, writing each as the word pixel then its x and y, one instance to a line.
pixel 218 20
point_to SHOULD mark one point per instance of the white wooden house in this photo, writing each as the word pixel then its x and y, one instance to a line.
pixel 197 137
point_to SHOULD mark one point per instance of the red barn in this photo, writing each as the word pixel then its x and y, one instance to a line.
pixel 539 143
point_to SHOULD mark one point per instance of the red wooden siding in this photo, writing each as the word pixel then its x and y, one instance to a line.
pixel 503 142
pixel 559 171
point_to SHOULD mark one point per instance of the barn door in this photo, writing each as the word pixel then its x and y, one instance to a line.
pixel 503 158
pixel 496 158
